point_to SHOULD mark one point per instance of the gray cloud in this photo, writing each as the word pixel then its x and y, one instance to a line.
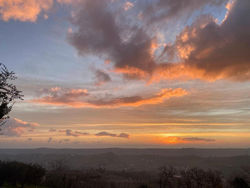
pixel 99 32
pixel 101 77
pixel 64 141
pixel 62 96
pixel 104 133
pixel 50 139
pixel 69 132
pixel 52 130
pixel 123 135
pixel 194 139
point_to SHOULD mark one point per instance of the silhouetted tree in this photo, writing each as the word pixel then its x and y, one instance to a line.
pixel 239 182
pixel 15 173
pixel 199 178
pixel 167 177
pixel 8 91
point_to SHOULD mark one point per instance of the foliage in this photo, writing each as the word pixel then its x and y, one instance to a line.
pixel 16 173
pixel 8 91
pixel 20 175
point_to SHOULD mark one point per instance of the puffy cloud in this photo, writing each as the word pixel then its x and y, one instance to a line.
pixel 16 127
pixel 93 102
pixel 121 135
pixel 98 31
pixel 211 50
pixel 101 77
pixel 205 50
pixel 23 10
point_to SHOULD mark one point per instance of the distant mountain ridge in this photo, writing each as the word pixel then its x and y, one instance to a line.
pixel 133 151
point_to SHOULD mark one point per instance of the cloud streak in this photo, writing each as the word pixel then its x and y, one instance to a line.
pixel 79 99
pixel 72 133
pixel 179 140
pixel 69 132
pixel 197 139
pixel 121 135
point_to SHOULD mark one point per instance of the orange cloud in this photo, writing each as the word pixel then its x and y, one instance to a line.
pixel 132 72
pixel 65 1
pixel 182 140
pixel 212 51
pixel 23 10
pixel 128 5
pixel 16 127
pixel 79 99
pixel 182 71
pixel 173 140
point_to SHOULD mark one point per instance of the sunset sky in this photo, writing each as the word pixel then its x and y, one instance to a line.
pixel 117 73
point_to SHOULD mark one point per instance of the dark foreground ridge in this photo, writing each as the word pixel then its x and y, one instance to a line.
pixel 20 175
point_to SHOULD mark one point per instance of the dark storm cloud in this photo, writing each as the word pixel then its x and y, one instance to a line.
pixel 99 32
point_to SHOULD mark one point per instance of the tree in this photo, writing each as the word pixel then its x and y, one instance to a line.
pixel 167 177
pixel 8 91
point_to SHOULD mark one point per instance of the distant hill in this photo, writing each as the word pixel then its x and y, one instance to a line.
pixel 225 160
pixel 131 151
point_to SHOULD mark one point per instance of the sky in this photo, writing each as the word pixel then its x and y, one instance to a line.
pixel 118 73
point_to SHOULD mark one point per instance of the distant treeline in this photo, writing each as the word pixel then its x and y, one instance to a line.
pixel 17 174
